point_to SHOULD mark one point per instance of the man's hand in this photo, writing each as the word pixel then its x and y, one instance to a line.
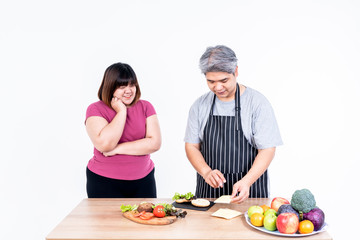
pixel 215 178
pixel 241 187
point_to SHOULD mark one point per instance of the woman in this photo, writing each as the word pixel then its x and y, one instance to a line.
pixel 124 131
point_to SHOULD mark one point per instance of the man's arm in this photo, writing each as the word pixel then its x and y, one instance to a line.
pixel 261 163
pixel 212 177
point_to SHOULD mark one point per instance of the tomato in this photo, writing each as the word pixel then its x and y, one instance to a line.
pixel 146 216
pixel 159 211
pixel 139 214
pixel 257 219
pixel 306 226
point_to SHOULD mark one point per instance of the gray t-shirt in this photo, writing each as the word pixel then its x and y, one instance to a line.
pixel 257 118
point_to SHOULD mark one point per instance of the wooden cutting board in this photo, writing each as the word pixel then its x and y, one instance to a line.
pixel 153 221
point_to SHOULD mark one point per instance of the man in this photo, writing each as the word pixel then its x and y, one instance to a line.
pixel 231 134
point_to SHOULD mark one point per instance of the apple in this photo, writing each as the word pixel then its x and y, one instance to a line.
pixel 277 202
pixel 255 209
pixel 287 223
pixel 270 222
pixel 270 212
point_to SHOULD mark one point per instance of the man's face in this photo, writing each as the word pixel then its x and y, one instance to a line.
pixel 223 84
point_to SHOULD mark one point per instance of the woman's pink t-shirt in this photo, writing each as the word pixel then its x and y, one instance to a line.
pixel 124 167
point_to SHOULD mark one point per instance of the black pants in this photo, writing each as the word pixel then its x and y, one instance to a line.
pixel 102 187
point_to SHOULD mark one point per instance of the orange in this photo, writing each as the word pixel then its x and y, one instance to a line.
pixel 265 207
pixel 306 226
pixel 257 219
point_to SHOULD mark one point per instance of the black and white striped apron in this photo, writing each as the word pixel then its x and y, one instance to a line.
pixel 225 148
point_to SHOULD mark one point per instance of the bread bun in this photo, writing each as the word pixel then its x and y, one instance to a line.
pixel 182 200
pixel 200 202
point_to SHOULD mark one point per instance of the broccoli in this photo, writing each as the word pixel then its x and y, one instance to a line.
pixel 303 200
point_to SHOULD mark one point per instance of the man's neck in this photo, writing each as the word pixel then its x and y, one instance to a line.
pixel 242 89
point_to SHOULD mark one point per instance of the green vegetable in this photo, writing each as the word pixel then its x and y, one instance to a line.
pixel 187 196
pixel 125 208
pixel 167 206
pixel 170 210
pixel 303 200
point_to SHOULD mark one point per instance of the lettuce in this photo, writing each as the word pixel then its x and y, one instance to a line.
pixel 125 208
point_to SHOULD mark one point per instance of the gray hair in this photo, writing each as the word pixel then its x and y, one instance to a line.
pixel 218 59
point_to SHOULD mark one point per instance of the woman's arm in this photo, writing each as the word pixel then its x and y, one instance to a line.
pixel 105 136
pixel 151 143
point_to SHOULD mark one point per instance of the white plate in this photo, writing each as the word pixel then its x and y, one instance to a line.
pixel 283 234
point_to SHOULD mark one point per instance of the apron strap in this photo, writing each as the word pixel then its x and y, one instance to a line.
pixel 237 108
pixel 212 105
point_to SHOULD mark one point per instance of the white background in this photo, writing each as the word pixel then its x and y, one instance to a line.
pixel 302 55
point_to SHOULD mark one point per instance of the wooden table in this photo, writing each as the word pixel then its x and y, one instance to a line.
pixel 102 219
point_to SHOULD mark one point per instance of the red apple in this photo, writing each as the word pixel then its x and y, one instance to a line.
pixel 287 223
pixel 277 202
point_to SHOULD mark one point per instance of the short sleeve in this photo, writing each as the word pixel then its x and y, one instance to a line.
pixel 193 126
pixel 148 108
pixel 266 133
pixel 95 110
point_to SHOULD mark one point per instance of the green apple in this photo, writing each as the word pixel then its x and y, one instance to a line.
pixel 255 209
pixel 270 212
pixel 270 222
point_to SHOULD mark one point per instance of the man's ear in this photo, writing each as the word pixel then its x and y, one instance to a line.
pixel 236 73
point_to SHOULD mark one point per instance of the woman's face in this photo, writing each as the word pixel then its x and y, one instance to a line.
pixel 126 93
